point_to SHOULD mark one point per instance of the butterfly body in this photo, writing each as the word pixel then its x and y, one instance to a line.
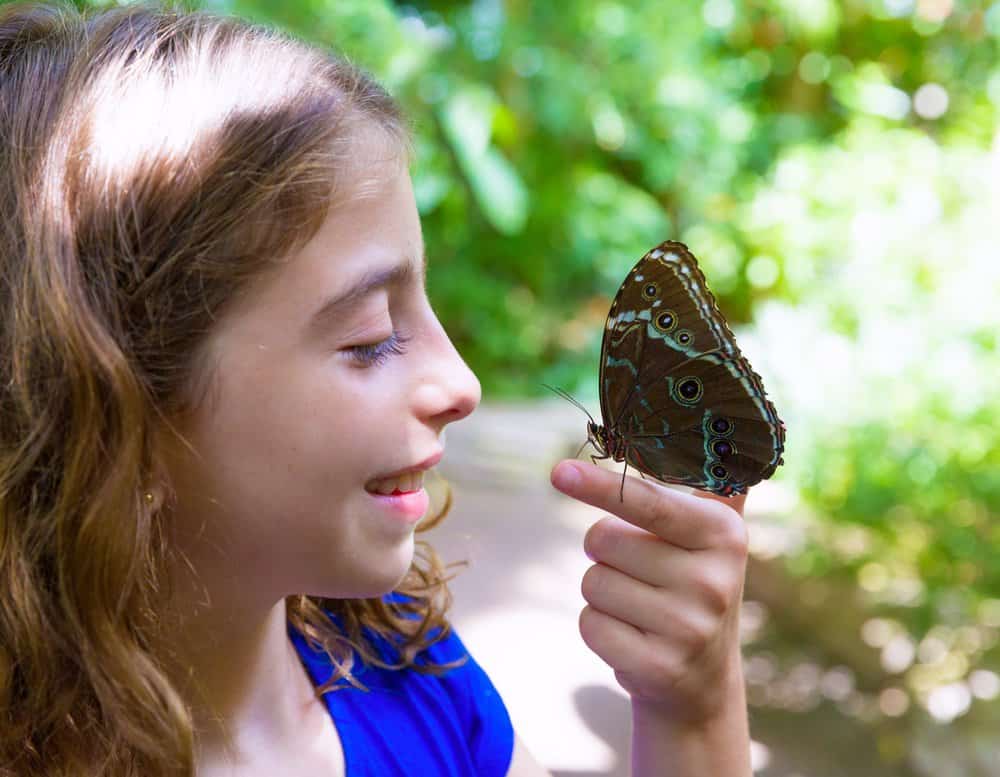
pixel 679 401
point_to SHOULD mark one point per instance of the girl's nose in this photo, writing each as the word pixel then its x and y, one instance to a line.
pixel 449 390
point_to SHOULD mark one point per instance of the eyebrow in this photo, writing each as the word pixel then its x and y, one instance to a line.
pixel 376 278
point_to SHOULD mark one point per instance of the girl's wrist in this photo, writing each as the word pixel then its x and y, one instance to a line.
pixel 709 742
pixel 714 696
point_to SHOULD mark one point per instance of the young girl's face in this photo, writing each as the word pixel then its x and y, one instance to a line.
pixel 308 411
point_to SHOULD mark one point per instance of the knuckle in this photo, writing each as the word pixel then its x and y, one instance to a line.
pixel 666 668
pixel 589 584
pixel 629 682
pixel 735 537
pixel 658 504
pixel 696 636
pixel 594 583
pixel 702 637
pixel 660 520
pixel 600 538
pixel 589 623
pixel 652 498
pixel 715 592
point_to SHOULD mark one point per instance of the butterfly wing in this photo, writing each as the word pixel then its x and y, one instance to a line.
pixel 665 297
pixel 723 435
pixel 674 385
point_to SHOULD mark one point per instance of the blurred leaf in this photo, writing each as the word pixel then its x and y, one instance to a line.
pixel 467 118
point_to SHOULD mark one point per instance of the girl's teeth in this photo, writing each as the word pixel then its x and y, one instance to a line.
pixel 411 481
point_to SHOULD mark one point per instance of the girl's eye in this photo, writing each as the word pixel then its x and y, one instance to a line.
pixel 373 354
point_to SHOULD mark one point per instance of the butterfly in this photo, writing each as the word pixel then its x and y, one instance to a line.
pixel 679 401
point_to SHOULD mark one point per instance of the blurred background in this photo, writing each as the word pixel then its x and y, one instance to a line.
pixel 836 168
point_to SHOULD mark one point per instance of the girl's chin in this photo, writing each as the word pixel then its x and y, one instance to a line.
pixel 385 571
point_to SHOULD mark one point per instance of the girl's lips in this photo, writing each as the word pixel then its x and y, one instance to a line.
pixel 426 464
pixel 409 505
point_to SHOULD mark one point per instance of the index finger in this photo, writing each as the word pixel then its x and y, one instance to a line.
pixel 688 521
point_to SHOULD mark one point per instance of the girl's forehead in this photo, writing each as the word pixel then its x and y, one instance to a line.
pixel 376 226
pixel 376 213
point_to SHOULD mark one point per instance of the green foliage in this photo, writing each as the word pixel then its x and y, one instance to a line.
pixel 883 354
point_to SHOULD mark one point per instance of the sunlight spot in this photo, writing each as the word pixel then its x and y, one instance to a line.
pixel 932 649
pixel 893 702
pixel 718 13
pixel 760 756
pixel 873 577
pixel 898 8
pixel 876 632
pixel 948 702
pixel 609 128
pixel 762 272
pixel 814 67
pixel 935 10
pixel 838 683
pixel 884 100
pixel 984 684
pixel 898 654
pixel 930 101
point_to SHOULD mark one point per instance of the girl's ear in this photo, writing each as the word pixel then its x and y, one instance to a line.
pixel 157 489
pixel 153 499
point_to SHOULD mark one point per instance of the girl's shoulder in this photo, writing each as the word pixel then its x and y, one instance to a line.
pixel 445 650
pixel 407 721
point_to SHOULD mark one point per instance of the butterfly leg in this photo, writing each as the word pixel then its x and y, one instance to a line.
pixel 621 491
pixel 594 458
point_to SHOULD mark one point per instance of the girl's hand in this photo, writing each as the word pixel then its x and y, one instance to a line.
pixel 664 592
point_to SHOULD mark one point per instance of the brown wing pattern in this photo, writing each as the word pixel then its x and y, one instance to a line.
pixel 674 385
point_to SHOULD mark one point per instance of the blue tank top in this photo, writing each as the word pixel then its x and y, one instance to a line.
pixel 409 724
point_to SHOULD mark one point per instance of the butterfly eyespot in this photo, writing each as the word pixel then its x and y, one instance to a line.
pixel 665 321
pixel 688 390
pixel 721 425
pixel 649 291
pixel 723 448
pixel 684 337
pixel 720 472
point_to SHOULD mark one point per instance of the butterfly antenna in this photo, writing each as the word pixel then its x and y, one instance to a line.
pixel 565 395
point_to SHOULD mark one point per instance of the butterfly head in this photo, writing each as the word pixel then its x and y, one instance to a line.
pixel 611 444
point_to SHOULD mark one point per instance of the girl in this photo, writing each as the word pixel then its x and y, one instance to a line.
pixel 221 384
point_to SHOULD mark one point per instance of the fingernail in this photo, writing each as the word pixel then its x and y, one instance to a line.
pixel 566 477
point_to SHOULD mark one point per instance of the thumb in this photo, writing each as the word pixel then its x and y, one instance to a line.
pixel 737 502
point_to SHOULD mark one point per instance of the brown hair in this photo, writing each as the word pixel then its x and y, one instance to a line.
pixel 153 162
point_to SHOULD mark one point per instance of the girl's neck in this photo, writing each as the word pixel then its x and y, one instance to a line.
pixel 241 677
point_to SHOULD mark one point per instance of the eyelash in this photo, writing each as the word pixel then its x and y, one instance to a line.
pixel 374 354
